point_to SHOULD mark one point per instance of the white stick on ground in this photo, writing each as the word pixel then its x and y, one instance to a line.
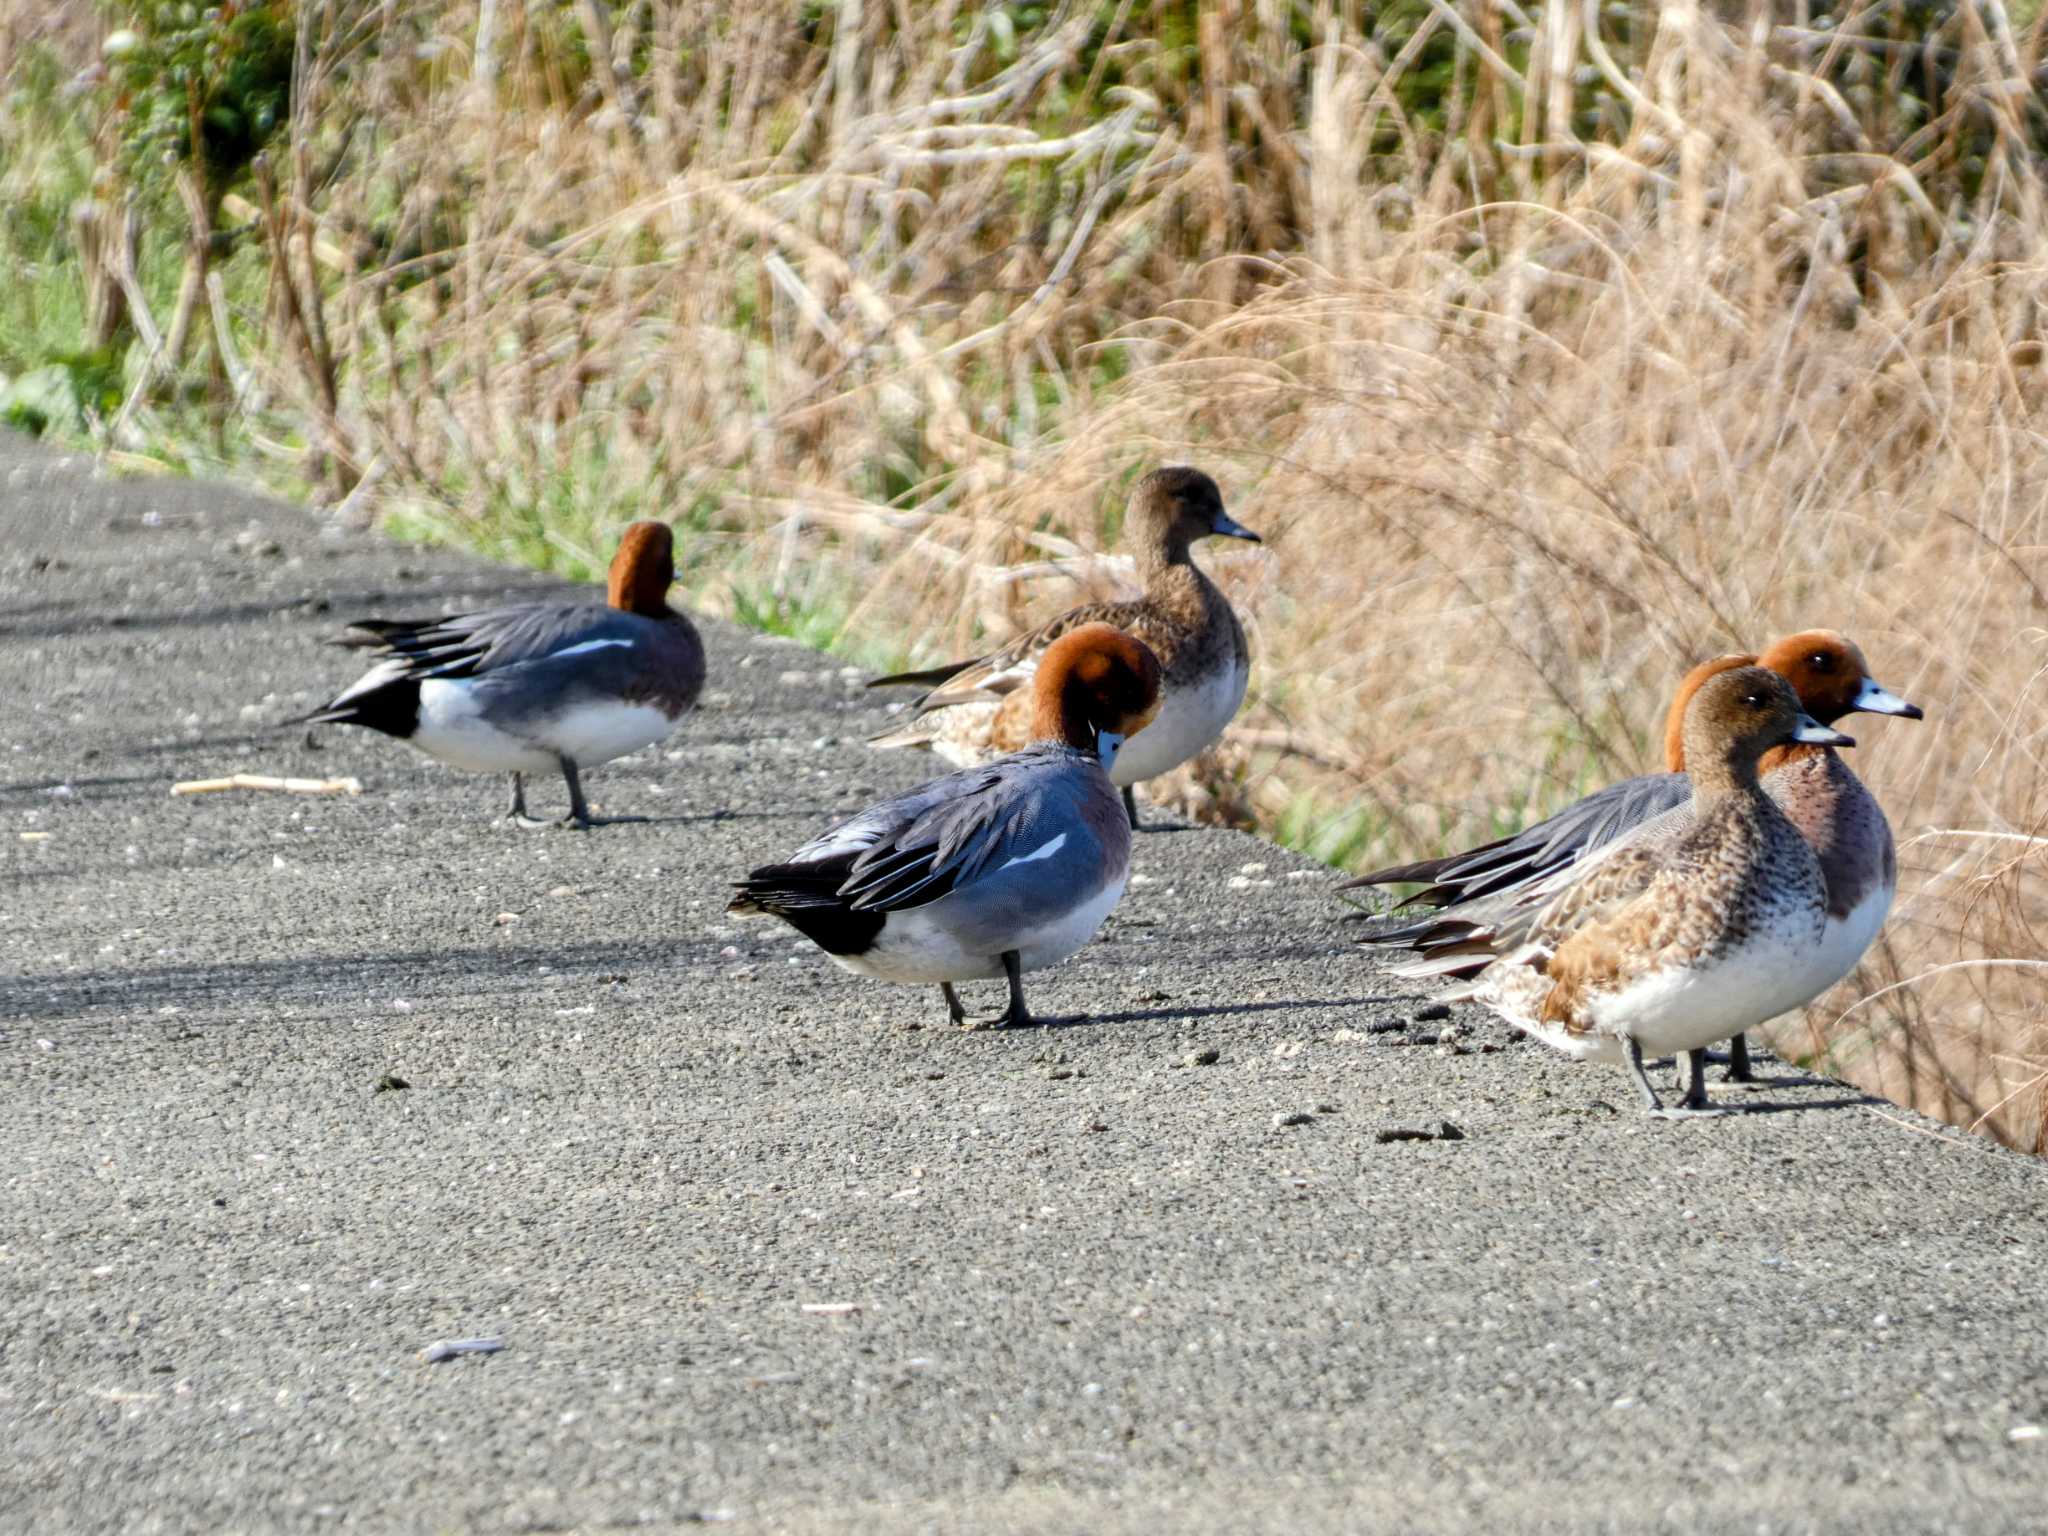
pixel 349 786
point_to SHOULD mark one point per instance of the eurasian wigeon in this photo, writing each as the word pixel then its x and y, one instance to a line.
pixel 994 870
pixel 535 686
pixel 1486 897
pixel 984 706
pixel 1665 946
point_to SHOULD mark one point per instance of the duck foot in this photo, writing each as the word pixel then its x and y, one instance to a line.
pixel 1688 1109
pixel 1696 1081
pixel 1737 1059
pixel 579 812
pixel 578 819
pixel 1131 809
pixel 1016 1016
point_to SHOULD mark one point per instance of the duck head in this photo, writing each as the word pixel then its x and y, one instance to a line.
pixel 1096 688
pixel 1826 670
pixel 1735 717
pixel 1173 507
pixel 643 570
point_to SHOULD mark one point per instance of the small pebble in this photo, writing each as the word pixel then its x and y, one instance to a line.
pixel 449 1349
pixel 1429 1130
pixel 1207 1057
pixel 1430 1012
pixel 391 1082
pixel 1298 1117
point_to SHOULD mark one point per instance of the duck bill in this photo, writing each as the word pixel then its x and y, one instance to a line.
pixel 1872 699
pixel 1231 528
pixel 1813 732
pixel 1107 744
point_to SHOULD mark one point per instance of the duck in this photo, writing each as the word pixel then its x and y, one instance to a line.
pixel 982 707
pixel 990 871
pixel 1484 897
pixel 535 687
pixel 1665 945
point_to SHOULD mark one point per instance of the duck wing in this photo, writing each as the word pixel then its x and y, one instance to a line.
pixel 1000 673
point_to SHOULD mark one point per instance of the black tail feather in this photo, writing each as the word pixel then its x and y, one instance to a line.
pixel 806 896
pixel 393 709
pixel 928 678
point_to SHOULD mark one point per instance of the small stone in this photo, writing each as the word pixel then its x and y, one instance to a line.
pixel 1151 995
pixel 1430 1012
pixel 391 1082
pixel 1059 1074
pixel 1298 1117
pixel 1208 1056
pixel 1429 1130
pixel 1326 1109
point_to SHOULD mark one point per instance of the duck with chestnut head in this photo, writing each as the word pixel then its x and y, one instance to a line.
pixel 1663 947
pixel 535 687
pixel 995 870
pixel 1484 899
pixel 979 708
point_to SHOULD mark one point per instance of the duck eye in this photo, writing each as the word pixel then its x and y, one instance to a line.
pixel 1821 661
pixel 1754 700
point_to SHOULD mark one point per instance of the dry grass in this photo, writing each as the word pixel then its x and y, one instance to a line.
pixel 1599 353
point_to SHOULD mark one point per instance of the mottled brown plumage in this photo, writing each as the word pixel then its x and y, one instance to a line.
pixel 1672 945
pixel 983 707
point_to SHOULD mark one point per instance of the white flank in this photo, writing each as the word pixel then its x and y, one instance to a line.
pixel 454 730
pixel 921 946
pixel 589 734
pixel 1190 718
pixel 1843 943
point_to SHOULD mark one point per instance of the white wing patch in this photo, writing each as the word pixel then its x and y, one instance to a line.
pixel 1046 851
pixel 587 645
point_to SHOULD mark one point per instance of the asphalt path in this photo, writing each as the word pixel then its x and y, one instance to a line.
pixel 773 1245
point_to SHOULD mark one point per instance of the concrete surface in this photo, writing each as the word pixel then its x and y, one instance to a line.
pixel 1076 1283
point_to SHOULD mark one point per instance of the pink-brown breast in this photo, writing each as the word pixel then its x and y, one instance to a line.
pixel 1841 821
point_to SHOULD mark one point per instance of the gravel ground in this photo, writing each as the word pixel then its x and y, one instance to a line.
pixel 770 1244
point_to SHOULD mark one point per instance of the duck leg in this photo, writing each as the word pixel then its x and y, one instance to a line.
pixel 1696 1080
pixel 579 812
pixel 517 815
pixel 1654 1106
pixel 954 1009
pixel 1017 1015
pixel 1131 809
pixel 1739 1070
